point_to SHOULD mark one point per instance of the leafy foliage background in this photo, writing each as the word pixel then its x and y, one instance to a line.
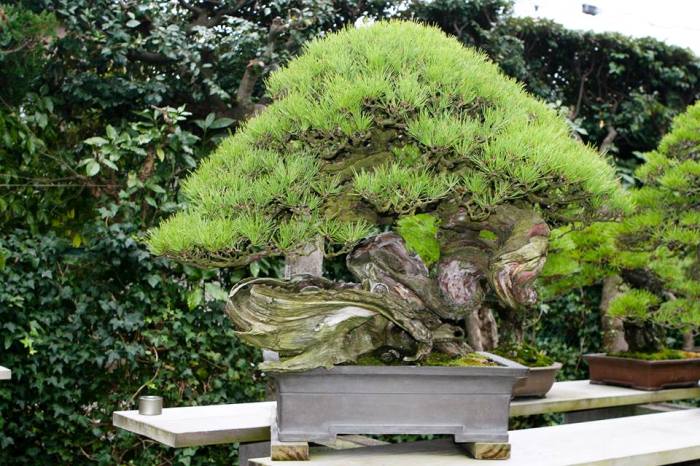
pixel 105 106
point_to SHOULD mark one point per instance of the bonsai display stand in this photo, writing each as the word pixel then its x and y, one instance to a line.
pixel 651 439
pixel 249 423
pixel 301 451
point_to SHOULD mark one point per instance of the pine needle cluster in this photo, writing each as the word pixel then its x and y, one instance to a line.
pixel 372 124
pixel 661 237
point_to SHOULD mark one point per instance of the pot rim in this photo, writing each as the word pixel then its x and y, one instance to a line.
pixel 554 366
pixel 507 368
pixel 658 362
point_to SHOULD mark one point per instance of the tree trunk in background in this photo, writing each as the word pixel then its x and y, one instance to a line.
pixel 689 341
pixel 613 328
pixel 308 261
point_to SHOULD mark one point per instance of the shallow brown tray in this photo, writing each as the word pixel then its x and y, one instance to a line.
pixel 537 382
pixel 641 374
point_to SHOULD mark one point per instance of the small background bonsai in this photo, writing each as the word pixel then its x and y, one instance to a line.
pixel 650 262
pixel 435 177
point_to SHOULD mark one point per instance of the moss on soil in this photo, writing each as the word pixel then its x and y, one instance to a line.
pixel 433 359
pixel 524 354
pixel 664 354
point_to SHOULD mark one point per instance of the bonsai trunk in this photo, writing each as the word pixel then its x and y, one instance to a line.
pixel 644 337
pixel 613 328
pixel 308 261
pixel 502 254
pixel 399 308
pixel 689 341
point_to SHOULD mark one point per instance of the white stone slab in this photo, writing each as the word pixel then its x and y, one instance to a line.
pixel 249 422
pixel 579 395
pixel 202 425
pixel 5 373
pixel 646 440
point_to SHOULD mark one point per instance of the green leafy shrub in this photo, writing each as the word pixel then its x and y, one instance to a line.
pixel 363 121
pixel 86 330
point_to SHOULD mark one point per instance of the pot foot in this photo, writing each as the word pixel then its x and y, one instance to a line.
pixel 289 451
pixel 286 451
pixel 487 450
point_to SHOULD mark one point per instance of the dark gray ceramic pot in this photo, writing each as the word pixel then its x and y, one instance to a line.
pixel 470 403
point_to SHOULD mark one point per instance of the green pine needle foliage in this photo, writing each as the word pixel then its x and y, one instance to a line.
pixel 633 304
pixel 661 237
pixel 373 124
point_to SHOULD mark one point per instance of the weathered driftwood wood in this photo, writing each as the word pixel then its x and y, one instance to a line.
pixel 399 306
pixel 313 322
pixel 487 451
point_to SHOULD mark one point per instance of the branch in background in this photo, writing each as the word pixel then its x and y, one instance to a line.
pixel 224 12
pixel 247 85
pixel 608 140
pixel 581 87
pixel 149 57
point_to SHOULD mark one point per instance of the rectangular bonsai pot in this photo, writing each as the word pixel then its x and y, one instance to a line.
pixel 641 374
pixel 537 382
pixel 470 403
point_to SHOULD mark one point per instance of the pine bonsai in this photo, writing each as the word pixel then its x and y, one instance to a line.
pixel 655 250
pixel 437 176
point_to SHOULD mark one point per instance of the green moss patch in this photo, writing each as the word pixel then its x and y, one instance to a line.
pixel 433 359
pixel 420 234
pixel 524 354
pixel 662 355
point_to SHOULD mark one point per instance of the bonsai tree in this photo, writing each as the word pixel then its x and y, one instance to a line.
pixel 655 250
pixel 437 177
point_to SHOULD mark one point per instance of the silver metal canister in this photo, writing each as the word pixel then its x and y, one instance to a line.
pixel 150 405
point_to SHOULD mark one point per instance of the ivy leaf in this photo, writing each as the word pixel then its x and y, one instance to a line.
pixel 96 141
pixel 215 292
pixel 194 298
pixel 132 23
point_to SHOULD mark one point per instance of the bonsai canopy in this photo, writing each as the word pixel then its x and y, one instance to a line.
pixel 409 161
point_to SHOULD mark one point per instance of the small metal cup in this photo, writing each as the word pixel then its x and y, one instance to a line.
pixel 150 405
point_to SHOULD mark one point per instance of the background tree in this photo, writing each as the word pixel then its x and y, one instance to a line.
pixel 654 251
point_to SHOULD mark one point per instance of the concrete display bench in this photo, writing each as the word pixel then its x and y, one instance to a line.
pixel 581 395
pixel 5 373
pixel 651 439
pixel 249 423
